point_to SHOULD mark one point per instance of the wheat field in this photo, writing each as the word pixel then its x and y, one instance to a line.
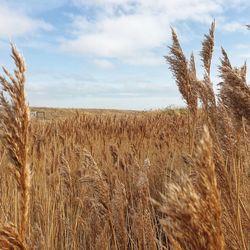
pixel 166 179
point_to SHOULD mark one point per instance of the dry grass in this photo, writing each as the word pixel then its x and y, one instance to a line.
pixel 15 124
pixel 130 180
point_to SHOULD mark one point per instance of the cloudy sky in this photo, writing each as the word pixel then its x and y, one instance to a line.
pixel 109 53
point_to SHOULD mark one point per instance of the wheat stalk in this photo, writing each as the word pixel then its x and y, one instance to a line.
pixel 14 126
pixel 184 76
pixel 207 49
pixel 234 92
pixel 192 209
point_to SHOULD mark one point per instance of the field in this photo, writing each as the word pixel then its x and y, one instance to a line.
pixel 96 179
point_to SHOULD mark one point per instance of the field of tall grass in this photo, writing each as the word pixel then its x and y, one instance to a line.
pixel 177 179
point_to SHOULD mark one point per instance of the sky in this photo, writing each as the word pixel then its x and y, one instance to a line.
pixel 110 53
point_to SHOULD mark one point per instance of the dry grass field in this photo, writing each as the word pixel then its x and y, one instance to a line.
pixel 62 113
pixel 96 179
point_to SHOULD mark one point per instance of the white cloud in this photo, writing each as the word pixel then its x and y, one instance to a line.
pixel 14 23
pixel 64 85
pixel 33 6
pixel 178 9
pixel 160 3
pixel 119 36
pixel 234 27
pixel 105 64
pixel 133 30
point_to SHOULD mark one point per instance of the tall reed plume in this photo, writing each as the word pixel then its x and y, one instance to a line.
pixel 14 118
pixel 225 117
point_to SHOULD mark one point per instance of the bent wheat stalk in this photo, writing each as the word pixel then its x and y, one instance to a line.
pixel 192 207
pixel 10 238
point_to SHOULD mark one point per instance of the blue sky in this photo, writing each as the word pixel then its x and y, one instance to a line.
pixel 109 53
